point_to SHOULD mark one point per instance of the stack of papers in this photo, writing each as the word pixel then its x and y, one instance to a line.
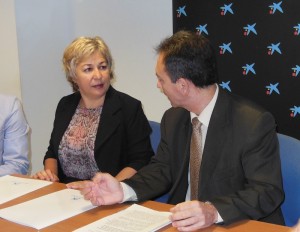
pixel 67 203
pixel 134 218
pixel 13 187
pixel 47 210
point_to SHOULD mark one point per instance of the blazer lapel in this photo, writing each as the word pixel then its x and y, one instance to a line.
pixel 64 116
pixel 109 120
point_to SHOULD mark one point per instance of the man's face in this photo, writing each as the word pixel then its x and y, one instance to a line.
pixel 165 84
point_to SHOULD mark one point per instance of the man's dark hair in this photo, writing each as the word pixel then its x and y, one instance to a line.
pixel 190 56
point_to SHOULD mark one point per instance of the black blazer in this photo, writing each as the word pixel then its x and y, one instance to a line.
pixel 240 170
pixel 123 136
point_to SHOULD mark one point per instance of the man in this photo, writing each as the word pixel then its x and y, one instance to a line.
pixel 240 174
pixel 14 140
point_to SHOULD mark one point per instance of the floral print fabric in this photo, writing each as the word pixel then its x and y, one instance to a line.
pixel 76 149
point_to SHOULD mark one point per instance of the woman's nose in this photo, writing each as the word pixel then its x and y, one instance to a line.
pixel 97 73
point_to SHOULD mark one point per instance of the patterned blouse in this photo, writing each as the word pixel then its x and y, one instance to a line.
pixel 76 149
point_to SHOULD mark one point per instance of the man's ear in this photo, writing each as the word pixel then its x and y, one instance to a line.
pixel 182 85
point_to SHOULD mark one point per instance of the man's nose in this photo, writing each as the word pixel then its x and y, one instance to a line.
pixel 158 85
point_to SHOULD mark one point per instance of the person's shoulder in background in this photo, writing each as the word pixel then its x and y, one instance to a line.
pixel 14 131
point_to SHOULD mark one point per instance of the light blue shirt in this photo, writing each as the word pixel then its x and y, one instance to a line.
pixel 14 137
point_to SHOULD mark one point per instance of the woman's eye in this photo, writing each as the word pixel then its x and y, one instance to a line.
pixel 103 67
pixel 87 70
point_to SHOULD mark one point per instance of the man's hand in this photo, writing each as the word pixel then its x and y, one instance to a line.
pixel 193 215
pixel 296 228
pixel 102 190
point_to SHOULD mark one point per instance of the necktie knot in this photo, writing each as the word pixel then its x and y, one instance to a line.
pixel 196 123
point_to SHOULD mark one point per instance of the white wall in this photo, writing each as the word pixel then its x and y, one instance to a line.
pixel 131 28
pixel 9 63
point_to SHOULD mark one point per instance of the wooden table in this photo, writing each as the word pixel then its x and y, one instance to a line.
pixel 100 212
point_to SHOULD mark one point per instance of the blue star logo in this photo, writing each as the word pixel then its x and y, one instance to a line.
pixel 202 29
pixel 225 47
pixel 226 8
pixel 250 28
pixel 247 68
pixel 271 88
pixel 275 6
pixel 180 11
pixel 295 110
pixel 297 29
pixel 296 71
pixel 274 48
pixel 225 85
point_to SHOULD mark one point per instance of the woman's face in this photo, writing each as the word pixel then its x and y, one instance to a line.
pixel 93 77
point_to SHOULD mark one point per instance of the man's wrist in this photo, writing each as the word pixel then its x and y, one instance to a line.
pixel 128 193
pixel 217 216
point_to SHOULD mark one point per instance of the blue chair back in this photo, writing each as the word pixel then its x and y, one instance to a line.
pixel 155 135
pixel 155 139
pixel 290 165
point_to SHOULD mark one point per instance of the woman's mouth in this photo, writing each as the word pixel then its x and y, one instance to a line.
pixel 99 86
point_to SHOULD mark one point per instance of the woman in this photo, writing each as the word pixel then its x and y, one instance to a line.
pixel 97 128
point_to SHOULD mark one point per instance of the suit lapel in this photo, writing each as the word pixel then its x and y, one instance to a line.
pixel 214 140
pixel 180 185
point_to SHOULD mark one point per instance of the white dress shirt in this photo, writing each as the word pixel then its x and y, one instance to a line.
pixel 204 118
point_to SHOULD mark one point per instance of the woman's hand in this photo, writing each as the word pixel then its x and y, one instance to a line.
pixel 46 175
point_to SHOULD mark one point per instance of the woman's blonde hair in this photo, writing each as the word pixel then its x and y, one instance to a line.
pixel 81 48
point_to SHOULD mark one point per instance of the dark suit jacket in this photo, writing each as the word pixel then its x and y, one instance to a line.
pixel 240 170
pixel 123 136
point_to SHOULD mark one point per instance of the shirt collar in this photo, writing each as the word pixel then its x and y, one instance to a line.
pixel 205 115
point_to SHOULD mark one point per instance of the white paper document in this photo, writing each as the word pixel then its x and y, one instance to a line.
pixel 134 218
pixel 47 210
pixel 12 187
